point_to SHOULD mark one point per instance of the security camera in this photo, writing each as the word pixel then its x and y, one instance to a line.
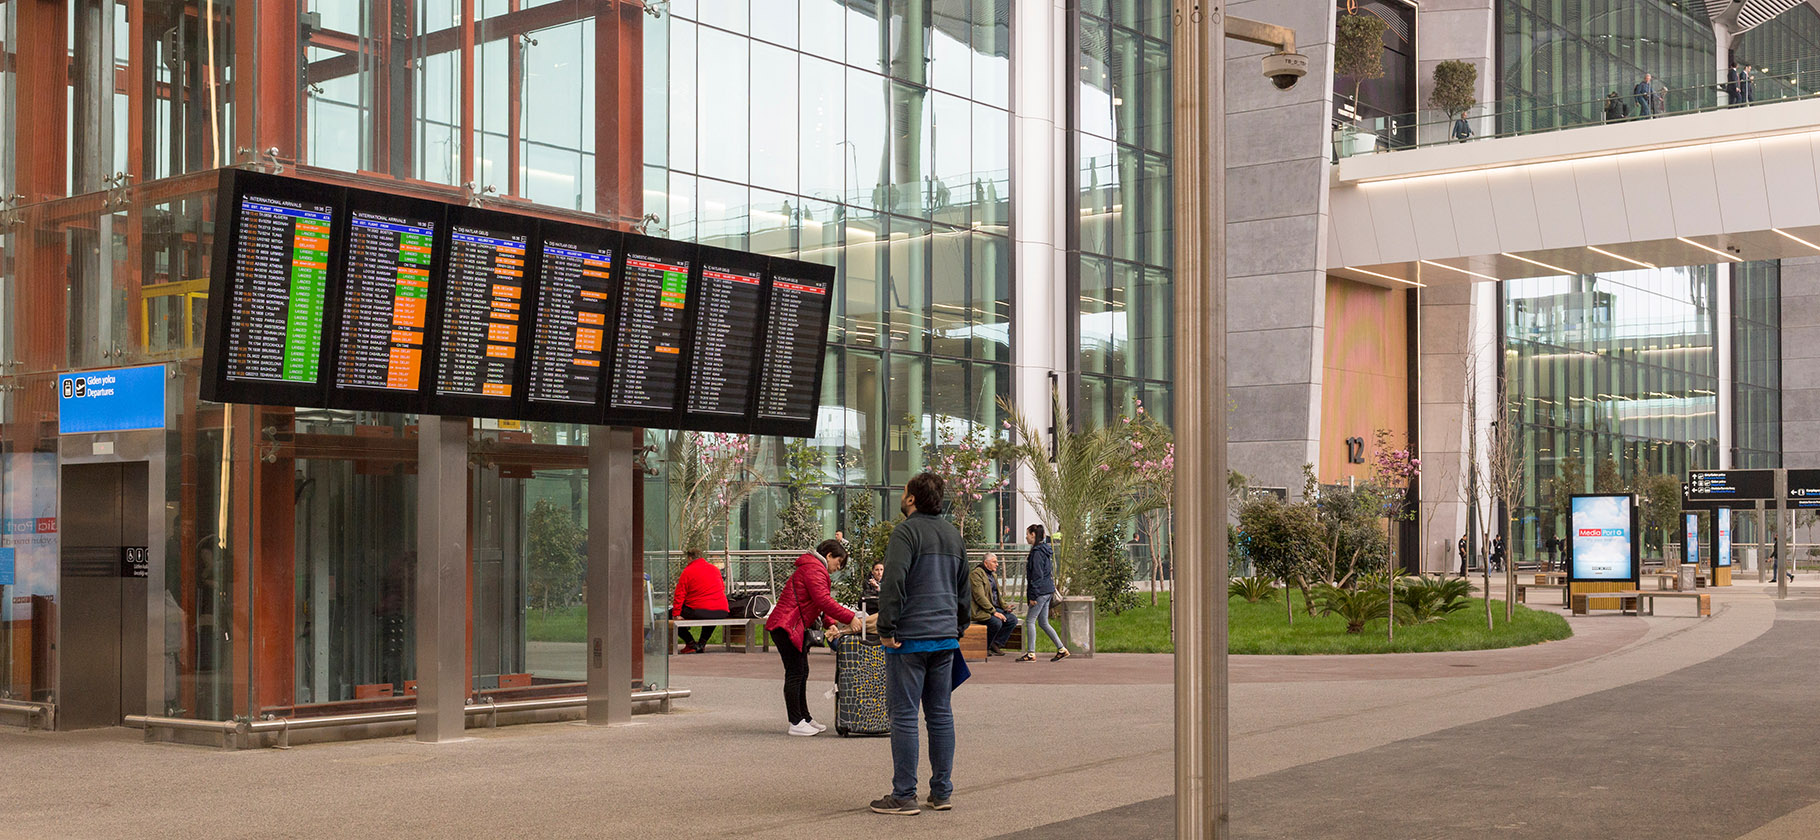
pixel 1284 68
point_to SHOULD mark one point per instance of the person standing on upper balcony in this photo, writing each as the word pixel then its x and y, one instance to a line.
pixel 1747 85
pixel 1734 84
pixel 1614 108
pixel 1645 94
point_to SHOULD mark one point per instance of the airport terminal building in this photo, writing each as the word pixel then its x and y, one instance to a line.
pixel 990 181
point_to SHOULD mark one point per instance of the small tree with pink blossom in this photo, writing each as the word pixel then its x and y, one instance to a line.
pixel 1153 462
pixel 970 469
pixel 710 475
pixel 1393 469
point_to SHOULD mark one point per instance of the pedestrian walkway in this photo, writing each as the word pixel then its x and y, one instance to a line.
pixel 1660 720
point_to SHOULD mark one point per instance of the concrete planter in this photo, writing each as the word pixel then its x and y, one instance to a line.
pixel 1073 619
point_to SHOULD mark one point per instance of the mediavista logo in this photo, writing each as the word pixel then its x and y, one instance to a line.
pixel 1601 532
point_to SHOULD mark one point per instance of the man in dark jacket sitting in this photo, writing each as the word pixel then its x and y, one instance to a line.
pixel 923 609
pixel 988 608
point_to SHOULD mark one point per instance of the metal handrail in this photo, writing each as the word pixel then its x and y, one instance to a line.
pixel 31 710
pixel 283 726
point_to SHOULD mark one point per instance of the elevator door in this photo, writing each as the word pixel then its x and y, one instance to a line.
pixel 102 647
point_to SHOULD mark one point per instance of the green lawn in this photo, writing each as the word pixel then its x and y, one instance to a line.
pixel 1261 628
pixel 1255 628
pixel 560 624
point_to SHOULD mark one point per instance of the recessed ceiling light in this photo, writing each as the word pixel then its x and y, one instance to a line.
pixel 1461 270
pixel 1617 257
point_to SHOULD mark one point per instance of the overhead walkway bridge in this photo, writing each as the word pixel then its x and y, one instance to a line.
pixel 1723 185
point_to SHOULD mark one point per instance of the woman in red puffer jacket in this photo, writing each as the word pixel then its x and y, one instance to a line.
pixel 805 603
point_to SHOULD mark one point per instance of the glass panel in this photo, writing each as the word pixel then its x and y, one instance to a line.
pixel 723 112
pixel 773 119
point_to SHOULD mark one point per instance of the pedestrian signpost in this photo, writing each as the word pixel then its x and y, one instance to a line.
pixel 1774 490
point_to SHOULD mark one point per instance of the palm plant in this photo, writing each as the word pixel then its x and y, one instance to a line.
pixel 1085 489
pixel 1430 599
pixel 1253 589
pixel 1357 607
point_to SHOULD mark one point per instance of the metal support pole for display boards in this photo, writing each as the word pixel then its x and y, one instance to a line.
pixel 1784 559
pixel 1762 529
pixel 613 560
pixel 442 577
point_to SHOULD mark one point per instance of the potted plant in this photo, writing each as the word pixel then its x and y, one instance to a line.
pixel 1358 54
pixel 1453 93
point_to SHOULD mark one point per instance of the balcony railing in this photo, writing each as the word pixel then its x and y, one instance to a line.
pixel 1525 114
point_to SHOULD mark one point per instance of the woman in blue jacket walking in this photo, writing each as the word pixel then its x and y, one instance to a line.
pixel 1040 591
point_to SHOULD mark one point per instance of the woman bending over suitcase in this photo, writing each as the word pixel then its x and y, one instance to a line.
pixel 805 603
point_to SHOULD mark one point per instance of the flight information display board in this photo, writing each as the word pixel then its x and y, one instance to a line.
pixel 568 348
pixel 481 311
pixel 792 347
pixel 385 308
pixel 266 328
pixel 334 296
pixel 647 362
pixel 723 323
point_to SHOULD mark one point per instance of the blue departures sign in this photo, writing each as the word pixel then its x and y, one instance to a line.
pixel 118 400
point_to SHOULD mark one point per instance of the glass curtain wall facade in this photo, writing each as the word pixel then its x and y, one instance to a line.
pixel 288 552
pixel 873 137
pixel 1122 121
pixel 1609 377
pixel 1756 365
pixel 1558 60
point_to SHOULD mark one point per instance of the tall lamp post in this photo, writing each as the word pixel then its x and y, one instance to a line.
pixel 1202 805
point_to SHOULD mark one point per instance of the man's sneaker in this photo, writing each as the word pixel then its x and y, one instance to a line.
pixel 893 805
pixel 806 728
pixel 818 727
pixel 938 803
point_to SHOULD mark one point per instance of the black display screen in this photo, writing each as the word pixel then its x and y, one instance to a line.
pixel 724 322
pixel 385 304
pixel 482 294
pixel 267 308
pixel 654 289
pixel 281 255
pixel 795 333
pixel 574 299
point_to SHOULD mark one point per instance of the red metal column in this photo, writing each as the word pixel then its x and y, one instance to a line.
pixel 619 111
pixel 467 92
pixel 41 161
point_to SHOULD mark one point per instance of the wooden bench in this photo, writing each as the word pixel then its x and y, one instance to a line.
pixel 1578 600
pixel 973 643
pixel 747 627
pixel 1521 587
pixel 1646 601
pixel 1665 580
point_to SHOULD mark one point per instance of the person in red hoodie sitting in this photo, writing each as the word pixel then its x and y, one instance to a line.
pixel 805 603
pixel 701 593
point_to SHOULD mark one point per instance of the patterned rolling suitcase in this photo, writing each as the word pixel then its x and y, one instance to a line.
pixel 859 687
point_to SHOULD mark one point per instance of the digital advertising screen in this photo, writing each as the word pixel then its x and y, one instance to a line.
pixel 724 341
pixel 795 335
pixel 1602 537
pixel 1690 539
pixel 648 349
pixel 386 302
pixel 478 330
pixel 572 300
pixel 266 324
pixel 1722 538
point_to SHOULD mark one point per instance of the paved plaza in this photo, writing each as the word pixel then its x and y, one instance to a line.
pixel 1635 727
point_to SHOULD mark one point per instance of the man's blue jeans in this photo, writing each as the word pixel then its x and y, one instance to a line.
pixel 926 680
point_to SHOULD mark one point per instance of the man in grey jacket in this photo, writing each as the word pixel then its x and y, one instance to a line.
pixel 923 608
